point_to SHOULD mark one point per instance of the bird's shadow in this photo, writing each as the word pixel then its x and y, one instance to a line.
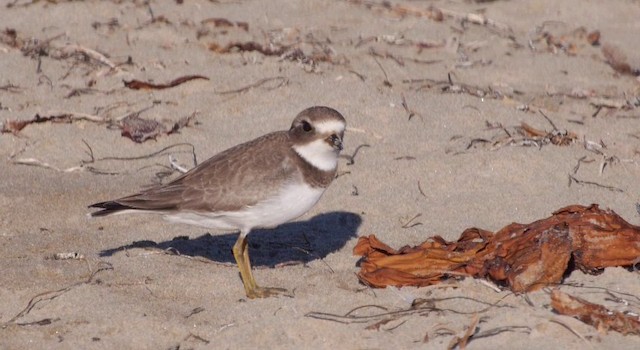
pixel 299 241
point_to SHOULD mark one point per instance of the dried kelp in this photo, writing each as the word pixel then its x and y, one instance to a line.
pixel 523 257
pixel 593 314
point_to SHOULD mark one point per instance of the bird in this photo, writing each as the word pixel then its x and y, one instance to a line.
pixel 262 183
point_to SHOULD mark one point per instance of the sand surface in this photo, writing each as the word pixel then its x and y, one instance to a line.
pixel 431 157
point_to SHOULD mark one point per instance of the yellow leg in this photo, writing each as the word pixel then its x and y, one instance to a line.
pixel 241 254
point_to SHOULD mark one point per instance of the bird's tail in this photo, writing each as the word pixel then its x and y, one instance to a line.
pixel 108 208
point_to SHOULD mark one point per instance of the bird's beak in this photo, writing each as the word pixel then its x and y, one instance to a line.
pixel 335 142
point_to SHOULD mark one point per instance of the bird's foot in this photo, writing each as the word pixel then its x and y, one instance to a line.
pixel 267 292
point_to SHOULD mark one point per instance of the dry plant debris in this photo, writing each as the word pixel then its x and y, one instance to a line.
pixel 434 13
pixel 140 129
pixel 41 299
pixel 377 315
pixel 132 126
pixel 524 135
pixel 223 22
pixel 593 314
pixel 291 53
pixel 523 257
pixel 618 60
pixel 380 318
pixel 14 126
pixel 9 37
pixel 247 47
pixel 568 42
pixel 555 137
pixel 142 85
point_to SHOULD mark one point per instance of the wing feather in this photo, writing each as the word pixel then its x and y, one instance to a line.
pixel 238 177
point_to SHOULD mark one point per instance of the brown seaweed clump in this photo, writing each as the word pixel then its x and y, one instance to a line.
pixel 523 257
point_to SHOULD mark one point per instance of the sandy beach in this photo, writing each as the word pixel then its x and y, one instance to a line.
pixel 435 94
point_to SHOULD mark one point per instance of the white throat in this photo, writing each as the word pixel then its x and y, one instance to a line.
pixel 319 154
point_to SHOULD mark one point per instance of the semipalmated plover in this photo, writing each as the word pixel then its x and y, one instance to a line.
pixel 259 184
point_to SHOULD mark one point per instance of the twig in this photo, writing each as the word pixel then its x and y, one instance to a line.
pixel 50 295
pixel 197 337
pixel 71 49
pixel 420 189
pixel 195 311
pixel 461 342
pixel 498 330
pixel 581 182
pixel 419 307
pixel 409 111
pixel 375 53
pixel 489 285
pixel 143 85
pixel 583 159
pixel 315 256
pixel 90 152
pixel 11 88
pixel 608 161
pixel 386 81
pixel 67 256
pixel 14 126
pixel 548 119
pixel 38 163
pixel 174 165
pixel 566 326
pixel 362 77
pixel 153 154
pixel 352 158
pixel 410 223
pixel 76 116
pixel 281 81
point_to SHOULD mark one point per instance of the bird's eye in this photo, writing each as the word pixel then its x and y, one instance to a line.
pixel 306 126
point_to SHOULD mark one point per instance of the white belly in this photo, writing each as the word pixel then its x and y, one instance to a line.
pixel 292 201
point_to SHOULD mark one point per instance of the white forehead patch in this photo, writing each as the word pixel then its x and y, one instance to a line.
pixel 319 154
pixel 329 126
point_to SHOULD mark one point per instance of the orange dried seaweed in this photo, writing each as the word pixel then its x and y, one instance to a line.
pixel 524 257
pixel 593 314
